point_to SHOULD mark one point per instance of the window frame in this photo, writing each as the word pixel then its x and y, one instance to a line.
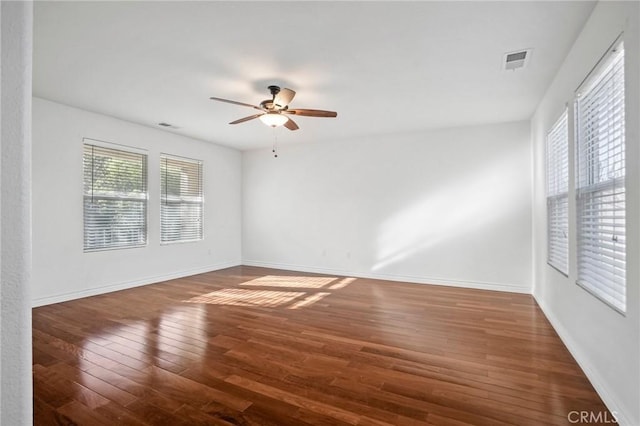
pixel 143 198
pixel 601 268
pixel 164 158
pixel 557 192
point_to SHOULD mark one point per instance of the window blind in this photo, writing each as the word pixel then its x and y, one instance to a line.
pixel 115 198
pixel 558 195
pixel 182 201
pixel 600 181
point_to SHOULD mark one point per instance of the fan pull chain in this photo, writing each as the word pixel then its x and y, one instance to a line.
pixel 274 149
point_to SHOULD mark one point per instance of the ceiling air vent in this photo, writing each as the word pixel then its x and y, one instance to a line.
pixel 515 60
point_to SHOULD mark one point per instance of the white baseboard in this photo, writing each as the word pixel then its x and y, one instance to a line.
pixel 598 383
pixel 389 277
pixel 48 300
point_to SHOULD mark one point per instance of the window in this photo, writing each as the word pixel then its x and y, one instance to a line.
pixel 558 195
pixel 115 198
pixel 600 165
pixel 182 201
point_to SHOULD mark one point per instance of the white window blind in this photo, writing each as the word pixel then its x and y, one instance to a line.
pixel 115 198
pixel 182 200
pixel 600 181
pixel 558 195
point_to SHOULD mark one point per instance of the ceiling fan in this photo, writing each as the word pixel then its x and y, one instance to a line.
pixel 275 111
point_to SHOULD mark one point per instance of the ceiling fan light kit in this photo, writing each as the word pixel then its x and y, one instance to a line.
pixel 273 119
pixel 275 111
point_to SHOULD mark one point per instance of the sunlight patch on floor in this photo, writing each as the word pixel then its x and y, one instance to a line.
pixel 242 297
pixel 309 300
pixel 291 292
pixel 290 281
pixel 342 283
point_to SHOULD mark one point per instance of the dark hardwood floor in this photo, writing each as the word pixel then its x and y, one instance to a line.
pixel 255 346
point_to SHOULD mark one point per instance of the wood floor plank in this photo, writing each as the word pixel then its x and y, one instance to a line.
pixel 98 386
pixel 82 415
pixel 296 400
pixel 257 346
pixel 154 415
pixel 119 415
pixel 196 417
pixel 46 414
pixel 193 392
pixel 75 389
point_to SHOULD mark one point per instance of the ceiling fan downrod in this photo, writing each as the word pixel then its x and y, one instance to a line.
pixel 274 90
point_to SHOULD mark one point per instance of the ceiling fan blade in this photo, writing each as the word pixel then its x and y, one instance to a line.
pixel 235 103
pixel 242 120
pixel 291 125
pixel 311 112
pixel 284 97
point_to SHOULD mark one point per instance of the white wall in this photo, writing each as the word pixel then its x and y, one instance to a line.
pixel 16 26
pixel 604 342
pixel 449 207
pixel 61 270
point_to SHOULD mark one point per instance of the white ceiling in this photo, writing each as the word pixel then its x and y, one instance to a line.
pixel 386 67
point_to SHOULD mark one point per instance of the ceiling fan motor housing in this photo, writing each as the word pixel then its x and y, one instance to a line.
pixel 267 104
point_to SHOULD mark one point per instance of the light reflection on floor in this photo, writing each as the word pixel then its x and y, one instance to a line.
pixel 184 326
pixel 291 298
